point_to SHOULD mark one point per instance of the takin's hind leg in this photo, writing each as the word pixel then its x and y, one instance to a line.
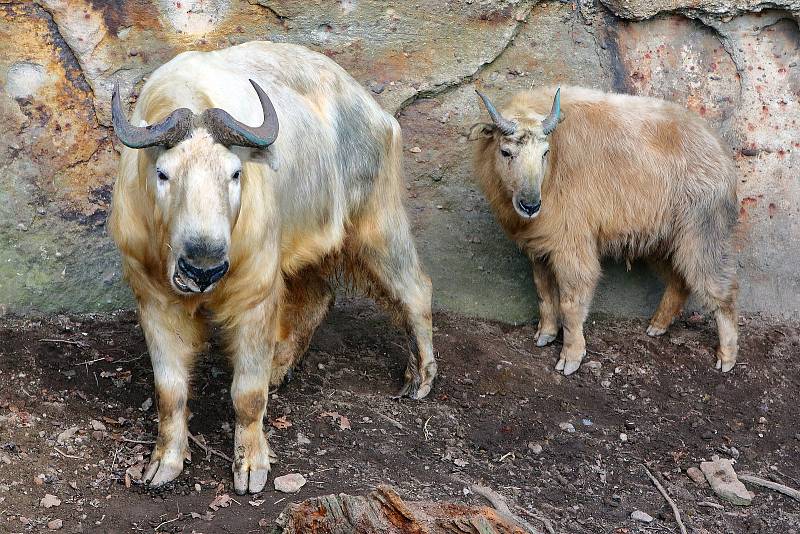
pixel 672 302
pixel 384 249
pixel 308 297
pixel 547 294
pixel 710 271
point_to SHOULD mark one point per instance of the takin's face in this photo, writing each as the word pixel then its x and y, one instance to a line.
pixel 520 160
pixel 197 186
pixel 519 148
pixel 196 183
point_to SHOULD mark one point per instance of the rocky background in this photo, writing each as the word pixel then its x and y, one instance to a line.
pixel 733 62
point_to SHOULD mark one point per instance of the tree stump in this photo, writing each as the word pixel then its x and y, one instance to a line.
pixel 384 511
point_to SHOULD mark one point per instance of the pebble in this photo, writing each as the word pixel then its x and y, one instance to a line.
pixel 55 524
pixel 623 437
pixel 642 517
pixel 377 88
pixel 567 427
pixel 696 475
pixel 723 480
pixel 290 483
pixel 605 384
pixel 535 448
pixel 415 150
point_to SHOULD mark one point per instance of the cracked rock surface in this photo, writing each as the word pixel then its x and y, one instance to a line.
pixel 735 63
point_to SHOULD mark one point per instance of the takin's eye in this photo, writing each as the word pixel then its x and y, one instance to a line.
pixel 236 175
pixel 162 177
pixel 505 153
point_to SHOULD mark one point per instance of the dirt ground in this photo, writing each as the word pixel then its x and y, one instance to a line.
pixel 74 401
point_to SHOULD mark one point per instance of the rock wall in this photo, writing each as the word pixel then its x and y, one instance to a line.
pixel 735 63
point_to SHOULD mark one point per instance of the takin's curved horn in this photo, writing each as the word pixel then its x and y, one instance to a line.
pixel 506 126
pixel 168 132
pixel 228 131
pixel 551 121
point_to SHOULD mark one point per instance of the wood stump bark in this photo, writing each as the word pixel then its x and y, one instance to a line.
pixel 384 511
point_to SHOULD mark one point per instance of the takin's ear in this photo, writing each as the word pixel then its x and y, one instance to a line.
pixel 482 130
pixel 265 155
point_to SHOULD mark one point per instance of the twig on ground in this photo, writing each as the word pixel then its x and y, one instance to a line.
pixel 65 455
pixel 709 504
pixel 167 522
pixel 764 483
pixel 89 362
pixel 499 504
pixel 67 341
pixel 548 525
pixel 128 360
pixel 425 428
pixel 209 450
pixel 138 441
pixel 666 496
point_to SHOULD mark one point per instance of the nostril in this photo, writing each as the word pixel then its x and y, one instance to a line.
pixel 189 270
pixel 203 277
pixel 528 208
pixel 215 274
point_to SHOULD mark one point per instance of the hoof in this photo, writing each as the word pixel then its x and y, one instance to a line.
pixel 654 331
pixel 725 366
pixel 543 340
pixel 162 471
pixel 569 365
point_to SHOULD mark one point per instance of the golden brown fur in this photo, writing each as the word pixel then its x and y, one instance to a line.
pixel 627 177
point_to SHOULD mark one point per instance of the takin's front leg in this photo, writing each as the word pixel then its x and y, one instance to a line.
pixel 577 278
pixel 173 338
pixel 547 295
pixel 252 343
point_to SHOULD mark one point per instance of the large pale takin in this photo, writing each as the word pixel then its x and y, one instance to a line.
pixel 246 226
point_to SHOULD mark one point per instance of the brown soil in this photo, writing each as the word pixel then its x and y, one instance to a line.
pixel 497 396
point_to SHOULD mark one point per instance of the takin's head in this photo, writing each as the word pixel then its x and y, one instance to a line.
pixel 520 146
pixel 196 184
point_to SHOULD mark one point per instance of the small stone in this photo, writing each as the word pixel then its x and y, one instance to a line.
pixel 290 483
pixel 198 488
pixel 55 524
pixel 749 152
pixel 67 434
pixel 605 384
pixel 535 448
pixel 623 437
pixel 592 366
pixel 723 480
pixel 49 501
pixel 377 88
pixel 148 402
pixel 415 150
pixel 567 427
pixel 302 439
pixel 696 475
pixel 642 517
